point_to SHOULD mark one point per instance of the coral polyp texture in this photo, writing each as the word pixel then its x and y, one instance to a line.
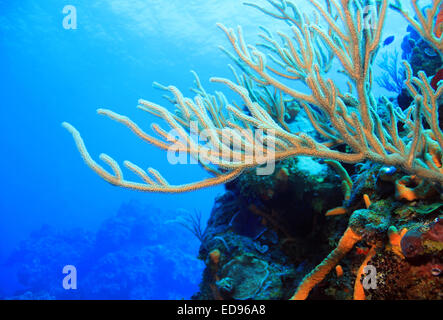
pixel 321 71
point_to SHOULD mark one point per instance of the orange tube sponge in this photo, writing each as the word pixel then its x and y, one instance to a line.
pixel 339 271
pixel 395 237
pixel 412 188
pixel 367 201
pixel 214 255
pixel 403 192
pixel 347 241
pixel 336 211
pixel 359 292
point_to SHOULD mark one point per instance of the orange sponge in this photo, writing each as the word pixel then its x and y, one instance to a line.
pixel 347 241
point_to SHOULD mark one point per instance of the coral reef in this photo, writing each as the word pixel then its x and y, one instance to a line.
pixel 122 260
pixel 274 225
pixel 401 238
pixel 282 232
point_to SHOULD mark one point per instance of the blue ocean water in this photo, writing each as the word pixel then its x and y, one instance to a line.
pixel 48 74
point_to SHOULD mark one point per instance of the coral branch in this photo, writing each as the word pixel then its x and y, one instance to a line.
pixel 267 89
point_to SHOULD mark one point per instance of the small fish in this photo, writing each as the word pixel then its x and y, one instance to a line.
pixel 388 40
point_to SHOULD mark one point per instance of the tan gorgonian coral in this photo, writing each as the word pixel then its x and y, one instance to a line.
pixel 345 32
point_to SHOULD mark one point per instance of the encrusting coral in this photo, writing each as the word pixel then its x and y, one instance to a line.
pixel 348 123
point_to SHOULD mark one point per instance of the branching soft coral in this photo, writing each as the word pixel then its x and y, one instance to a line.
pixel 338 30
pixel 344 32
